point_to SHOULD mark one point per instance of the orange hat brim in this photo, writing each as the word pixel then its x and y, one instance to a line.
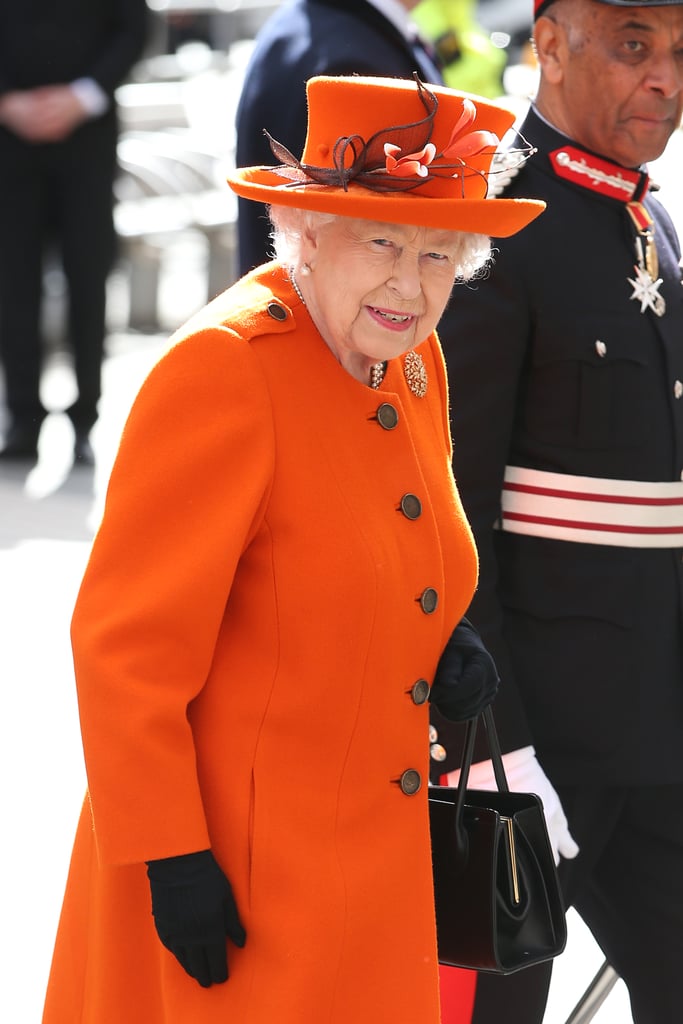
pixel 497 217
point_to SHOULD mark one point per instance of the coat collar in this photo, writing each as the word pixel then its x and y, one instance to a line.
pixel 566 159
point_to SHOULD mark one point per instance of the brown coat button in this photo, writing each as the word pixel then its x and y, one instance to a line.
pixel 277 311
pixel 411 506
pixel 428 600
pixel 410 782
pixel 387 416
pixel 420 691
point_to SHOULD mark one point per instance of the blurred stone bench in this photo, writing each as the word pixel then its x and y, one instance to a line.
pixel 230 20
pixel 167 187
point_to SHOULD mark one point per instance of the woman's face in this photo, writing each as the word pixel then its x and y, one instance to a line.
pixel 375 290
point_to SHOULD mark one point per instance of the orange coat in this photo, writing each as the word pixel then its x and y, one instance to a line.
pixel 246 640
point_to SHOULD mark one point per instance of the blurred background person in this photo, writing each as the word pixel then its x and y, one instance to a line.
pixel 467 56
pixel 275 595
pixel 566 374
pixel 306 38
pixel 59 66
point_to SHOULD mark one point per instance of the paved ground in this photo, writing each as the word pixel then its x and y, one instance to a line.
pixel 47 519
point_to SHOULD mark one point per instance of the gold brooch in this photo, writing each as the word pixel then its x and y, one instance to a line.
pixel 415 373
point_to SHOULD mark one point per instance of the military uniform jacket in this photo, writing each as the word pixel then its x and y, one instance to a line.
pixel 553 366
pixel 282 558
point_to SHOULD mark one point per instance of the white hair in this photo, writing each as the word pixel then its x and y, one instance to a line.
pixel 290 225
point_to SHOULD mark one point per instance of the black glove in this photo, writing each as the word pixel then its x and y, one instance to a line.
pixel 194 910
pixel 466 677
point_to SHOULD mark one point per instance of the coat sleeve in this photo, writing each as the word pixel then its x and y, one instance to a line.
pixel 485 335
pixel 187 492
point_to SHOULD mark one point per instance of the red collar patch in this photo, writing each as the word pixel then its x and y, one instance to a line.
pixel 599 175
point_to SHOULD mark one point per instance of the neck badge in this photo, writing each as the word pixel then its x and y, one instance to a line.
pixel 646 284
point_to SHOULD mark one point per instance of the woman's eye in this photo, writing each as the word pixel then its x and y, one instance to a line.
pixel 437 256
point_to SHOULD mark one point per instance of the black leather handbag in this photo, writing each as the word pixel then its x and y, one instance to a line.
pixel 498 901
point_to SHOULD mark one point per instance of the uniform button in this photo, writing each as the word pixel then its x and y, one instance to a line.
pixel 277 311
pixel 428 600
pixel 433 734
pixel 410 782
pixel 411 506
pixel 678 389
pixel 420 691
pixel 437 752
pixel 387 416
pixel 601 348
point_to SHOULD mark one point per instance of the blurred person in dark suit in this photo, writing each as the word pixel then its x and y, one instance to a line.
pixel 306 38
pixel 59 66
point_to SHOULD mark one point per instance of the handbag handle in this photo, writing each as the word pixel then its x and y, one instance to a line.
pixel 494 749
pixel 468 754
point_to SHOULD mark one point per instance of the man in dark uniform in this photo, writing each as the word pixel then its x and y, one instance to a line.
pixel 59 66
pixel 302 39
pixel 566 376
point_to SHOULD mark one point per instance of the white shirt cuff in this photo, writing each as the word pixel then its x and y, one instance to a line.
pixel 92 98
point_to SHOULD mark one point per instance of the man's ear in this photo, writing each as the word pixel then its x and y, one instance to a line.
pixel 550 45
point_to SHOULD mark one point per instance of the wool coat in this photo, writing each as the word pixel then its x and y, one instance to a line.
pixel 283 556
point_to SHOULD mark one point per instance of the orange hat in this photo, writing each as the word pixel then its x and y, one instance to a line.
pixel 397 151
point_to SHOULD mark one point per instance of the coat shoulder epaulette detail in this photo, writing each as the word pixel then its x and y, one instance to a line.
pixel 253 308
pixel 248 309
pixel 269 315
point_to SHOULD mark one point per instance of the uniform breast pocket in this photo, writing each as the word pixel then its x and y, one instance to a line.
pixel 587 383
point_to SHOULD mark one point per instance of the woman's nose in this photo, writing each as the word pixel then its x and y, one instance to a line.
pixel 405 279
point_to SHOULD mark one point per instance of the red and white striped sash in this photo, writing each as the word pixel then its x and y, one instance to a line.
pixel 592 510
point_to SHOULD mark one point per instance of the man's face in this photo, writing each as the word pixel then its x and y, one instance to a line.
pixel 619 77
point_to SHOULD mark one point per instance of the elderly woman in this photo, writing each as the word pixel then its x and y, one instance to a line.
pixel 277 583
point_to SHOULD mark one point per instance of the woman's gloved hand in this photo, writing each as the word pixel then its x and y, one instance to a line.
pixel 525 775
pixel 466 679
pixel 194 912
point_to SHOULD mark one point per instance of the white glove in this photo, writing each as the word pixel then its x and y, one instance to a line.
pixel 525 775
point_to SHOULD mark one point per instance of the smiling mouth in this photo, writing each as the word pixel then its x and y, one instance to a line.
pixel 393 318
